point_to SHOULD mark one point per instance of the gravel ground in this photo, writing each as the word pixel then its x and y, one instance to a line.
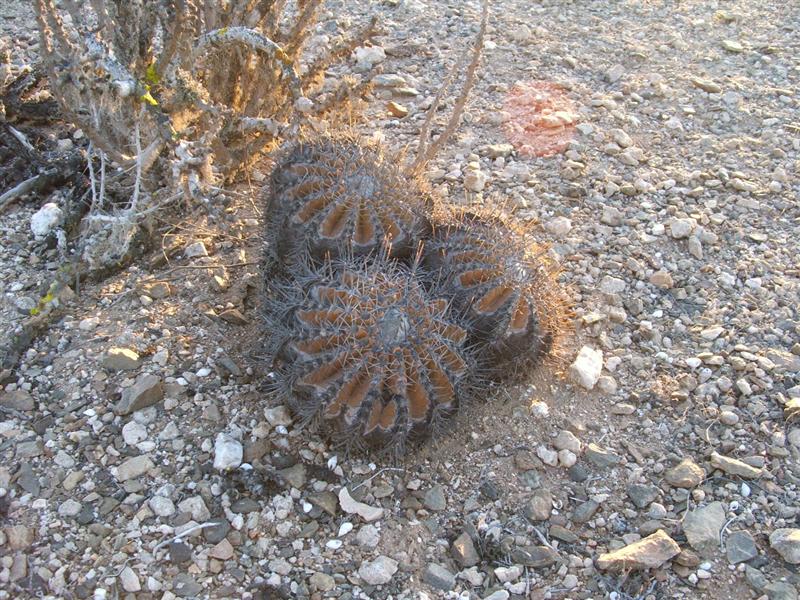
pixel 663 463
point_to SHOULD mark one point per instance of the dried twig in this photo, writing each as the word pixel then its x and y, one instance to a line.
pixel 426 153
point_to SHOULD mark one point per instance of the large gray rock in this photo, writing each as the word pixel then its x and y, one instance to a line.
pixel 438 577
pixel 648 553
pixel 147 390
pixel 740 546
pixel 17 400
pixel 702 527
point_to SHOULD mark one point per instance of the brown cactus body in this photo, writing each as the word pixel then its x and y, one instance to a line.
pixel 334 197
pixel 368 350
pixel 492 271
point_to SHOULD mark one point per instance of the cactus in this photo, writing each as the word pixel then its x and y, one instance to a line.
pixel 334 197
pixel 365 348
pixel 492 270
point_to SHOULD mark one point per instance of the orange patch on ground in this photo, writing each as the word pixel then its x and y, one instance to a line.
pixel 540 118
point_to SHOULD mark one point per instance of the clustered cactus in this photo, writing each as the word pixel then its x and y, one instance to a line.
pixel 387 312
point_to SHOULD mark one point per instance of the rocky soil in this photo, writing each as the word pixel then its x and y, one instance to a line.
pixel 143 455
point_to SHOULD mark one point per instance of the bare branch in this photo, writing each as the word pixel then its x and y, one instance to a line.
pixel 423 157
pixel 256 42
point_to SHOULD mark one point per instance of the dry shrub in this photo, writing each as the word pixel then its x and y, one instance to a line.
pixel 178 97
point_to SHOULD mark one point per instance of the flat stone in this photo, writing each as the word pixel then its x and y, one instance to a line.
pixel 19 537
pixel 780 590
pixel 29 449
pixel 234 316
pixel 368 536
pixel 217 532
pixel 351 506
pixel 563 534
pixel 147 391
pixel 434 499
pixel 786 542
pixel 706 85
pixel 222 551
pixel 686 474
pixel 438 577
pixel 585 511
pixel 642 495
pixel 17 400
pixel 539 506
pixel 648 553
pixel 566 440
pixel 179 552
pixel 600 456
pixel 295 475
pixel 161 506
pixel 322 582
pixel 134 467
pixel 534 556
pixel 463 550
pixel 379 571
pixel 196 507
pixel 121 359
pixel 327 501
pixel 498 595
pixel 740 547
pixel 702 527
pixel 195 250
pixel 736 467
pixel 185 586
pixel 69 508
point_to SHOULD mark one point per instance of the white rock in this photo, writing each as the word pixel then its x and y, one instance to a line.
pixel 133 433
pixel 196 507
pixel 228 452
pixel 64 460
pixel 612 285
pixel 586 369
pixel 69 508
pixel 44 219
pixel 195 250
pixel 351 506
pixel 547 455
pixel 129 580
pixel 711 333
pixel 368 536
pixel 558 226
pixel 278 416
pixel 379 571
pixel 566 440
pixel 505 574
pixel 566 458
pixel 161 506
pixel 681 228
pixel 622 139
pixel 369 56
